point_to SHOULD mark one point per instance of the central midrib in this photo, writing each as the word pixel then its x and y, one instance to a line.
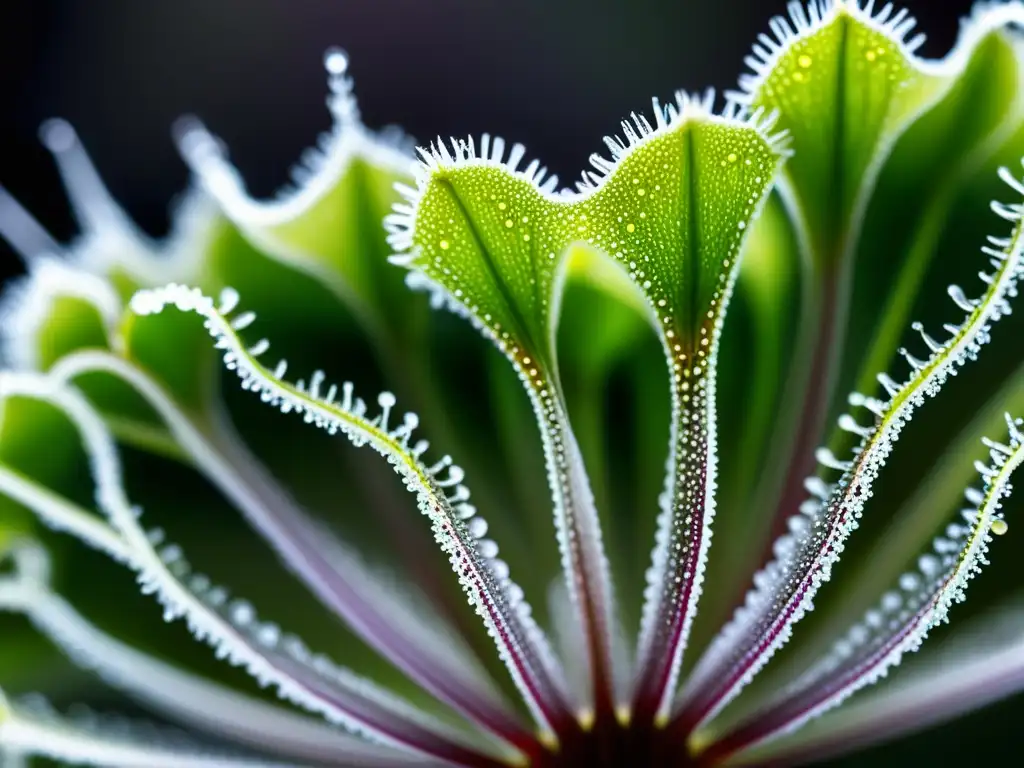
pixel 522 327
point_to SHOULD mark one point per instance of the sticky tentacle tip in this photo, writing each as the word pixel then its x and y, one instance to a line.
pixel 58 135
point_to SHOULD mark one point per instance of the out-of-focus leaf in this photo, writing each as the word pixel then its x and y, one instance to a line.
pixel 53 310
pixel 328 226
pixel 916 194
pixel 979 664
pixel 862 653
pixel 35 442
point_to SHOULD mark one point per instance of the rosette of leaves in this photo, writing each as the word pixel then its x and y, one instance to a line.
pixel 657 354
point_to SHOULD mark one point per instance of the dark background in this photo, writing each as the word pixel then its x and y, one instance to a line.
pixel 555 74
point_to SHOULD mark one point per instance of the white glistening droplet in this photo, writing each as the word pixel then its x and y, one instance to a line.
pixel 477 527
pixel 336 61
pixel 57 135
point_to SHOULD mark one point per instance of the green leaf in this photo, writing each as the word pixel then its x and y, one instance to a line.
pixel 916 603
pixel 293 258
pixel 456 526
pixel 605 345
pixel 328 225
pixel 603 317
pixel 54 310
pixel 495 237
pixel 754 405
pixel 175 352
pixel 974 667
pixel 37 444
pixel 845 84
pixel 60 312
pixel 917 192
pixel 928 211
pixel 785 589
pixel 670 209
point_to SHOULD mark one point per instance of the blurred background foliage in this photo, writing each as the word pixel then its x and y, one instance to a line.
pixel 555 76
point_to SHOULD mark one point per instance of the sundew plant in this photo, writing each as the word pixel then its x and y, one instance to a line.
pixel 739 322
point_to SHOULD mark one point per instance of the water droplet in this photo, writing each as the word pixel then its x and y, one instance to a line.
pixel 336 61
pixel 870 55
pixel 444 245
pixel 477 527
pixel 999 527
pixel 501 206
pixel 630 227
pixel 732 157
pixel 508 223
pixel 805 61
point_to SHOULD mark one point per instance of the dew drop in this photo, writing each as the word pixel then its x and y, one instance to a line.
pixel 500 569
pixel 999 527
pixel 630 227
pixel 805 61
pixel 268 635
pixel 477 527
pixel 336 61
pixel 444 245
pixel 910 581
pixel 929 565
pixel 487 548
pixel 508 223
pixel 242 613
pixel 732 158
pixel 57 135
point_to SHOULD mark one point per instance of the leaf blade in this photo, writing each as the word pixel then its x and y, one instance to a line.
pixel 785 589
pixel 491 241
pixel 457 529
pixel 901 621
